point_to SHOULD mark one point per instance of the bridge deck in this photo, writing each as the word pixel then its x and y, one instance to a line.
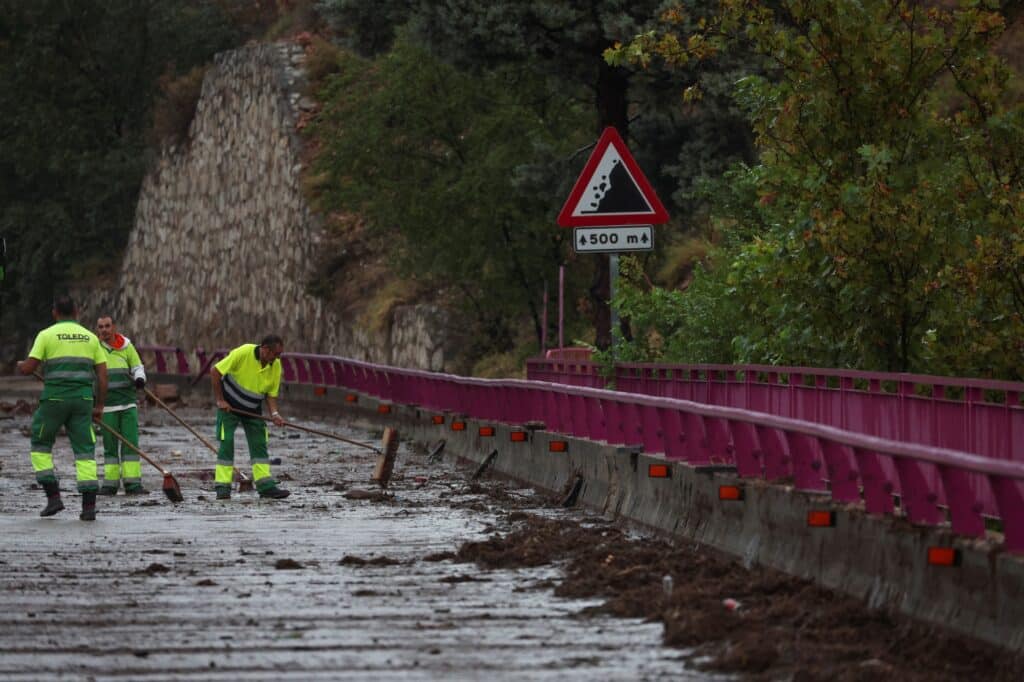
pixel 250 590
pixel 151 592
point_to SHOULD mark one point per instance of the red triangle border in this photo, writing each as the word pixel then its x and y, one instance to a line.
pixel 611 136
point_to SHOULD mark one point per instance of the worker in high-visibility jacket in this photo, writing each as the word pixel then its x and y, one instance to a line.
pixel 246 378
pixel 71 359
pixel 125 375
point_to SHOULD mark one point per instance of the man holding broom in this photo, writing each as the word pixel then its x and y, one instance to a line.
pixel 125 374
pixel 242 381
pixel 71 358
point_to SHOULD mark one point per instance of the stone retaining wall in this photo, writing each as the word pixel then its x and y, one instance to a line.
pixel 224 243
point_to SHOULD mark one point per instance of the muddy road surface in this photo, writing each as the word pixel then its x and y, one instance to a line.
pixel 327 584
pixel 442 577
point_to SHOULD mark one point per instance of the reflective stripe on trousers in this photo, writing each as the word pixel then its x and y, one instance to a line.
pixel 256 435
pixel 76 418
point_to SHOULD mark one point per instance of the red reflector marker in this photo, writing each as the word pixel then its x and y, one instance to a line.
pixel 821 519
pixel 730 492
pixel 320 390
pixel 486 431
pixel 384 409
pixel 658 471
pixel 517 436
pixel 558 446
pixel 437 419
pixel 458 426
pixel 351 398
pixel 943 556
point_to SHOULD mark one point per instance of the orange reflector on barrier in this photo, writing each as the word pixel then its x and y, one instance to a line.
pixel 943 556
pixel 458 426
pixel 558 446
pixel 730 492
pixel 486 431
pixel 438 419
pixel 319 390
pixel 351 398
pixel 821 519
pixel 659 471
pixel 384 409
pixel 517 436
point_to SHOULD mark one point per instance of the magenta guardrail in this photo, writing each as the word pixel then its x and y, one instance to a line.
pixel 981 417
pixel 291 370
pixel 932 482
pixel 851 467
pixel 166 357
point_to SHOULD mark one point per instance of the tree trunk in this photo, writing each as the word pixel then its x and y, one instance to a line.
pixel 612 109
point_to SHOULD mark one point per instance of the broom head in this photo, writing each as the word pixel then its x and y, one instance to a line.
pixel 171 488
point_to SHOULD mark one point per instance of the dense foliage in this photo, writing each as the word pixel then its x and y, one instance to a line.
pixel 554 47
pixel 453 171
pixel 881 227
pixel 78 82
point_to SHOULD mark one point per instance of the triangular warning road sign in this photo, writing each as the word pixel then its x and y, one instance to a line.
pixel 612 190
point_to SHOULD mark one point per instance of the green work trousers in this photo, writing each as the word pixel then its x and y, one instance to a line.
pixel 256 437
pixel 119 460
pixel 75 415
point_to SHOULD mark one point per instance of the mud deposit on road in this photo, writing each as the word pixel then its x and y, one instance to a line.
pixel 758 623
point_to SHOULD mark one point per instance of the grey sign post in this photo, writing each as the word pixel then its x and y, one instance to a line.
pixel 613 241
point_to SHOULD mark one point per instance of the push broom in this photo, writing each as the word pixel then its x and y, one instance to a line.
pixel 170 486
pixel 244 482
pixel 385 459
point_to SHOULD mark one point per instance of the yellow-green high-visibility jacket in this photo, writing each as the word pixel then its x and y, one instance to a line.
pixel 123 367
pixel 246 383
pixel 69 353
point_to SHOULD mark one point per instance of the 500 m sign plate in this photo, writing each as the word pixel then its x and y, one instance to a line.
pixel 613 239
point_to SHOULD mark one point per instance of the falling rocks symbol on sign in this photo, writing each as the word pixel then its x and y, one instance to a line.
pixel 617 193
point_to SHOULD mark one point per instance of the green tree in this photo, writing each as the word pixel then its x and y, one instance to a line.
pixel 871 128
pixel 77 82
pixel 440 163
pixel 558 45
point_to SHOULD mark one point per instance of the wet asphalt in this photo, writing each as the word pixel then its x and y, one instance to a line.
pixel 314 587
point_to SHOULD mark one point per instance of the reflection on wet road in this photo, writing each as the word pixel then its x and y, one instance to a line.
pixel 318 586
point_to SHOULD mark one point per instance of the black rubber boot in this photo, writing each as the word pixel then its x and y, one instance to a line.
pixel 88 507
pixel 223 492
pixel 275 493
pixel 53 501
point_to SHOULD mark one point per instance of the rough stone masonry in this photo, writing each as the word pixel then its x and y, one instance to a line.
pixel 224 243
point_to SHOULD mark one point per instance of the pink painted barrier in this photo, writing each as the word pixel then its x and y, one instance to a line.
pixel 981 417
pixel 166 357
pixel 935 484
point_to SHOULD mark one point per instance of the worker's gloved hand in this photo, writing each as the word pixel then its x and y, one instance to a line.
pixel 140 383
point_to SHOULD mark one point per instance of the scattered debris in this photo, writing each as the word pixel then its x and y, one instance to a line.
pixel 153 569
pixel 440 556
pixel 350 560
pixel 371 495
pixel 461 579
